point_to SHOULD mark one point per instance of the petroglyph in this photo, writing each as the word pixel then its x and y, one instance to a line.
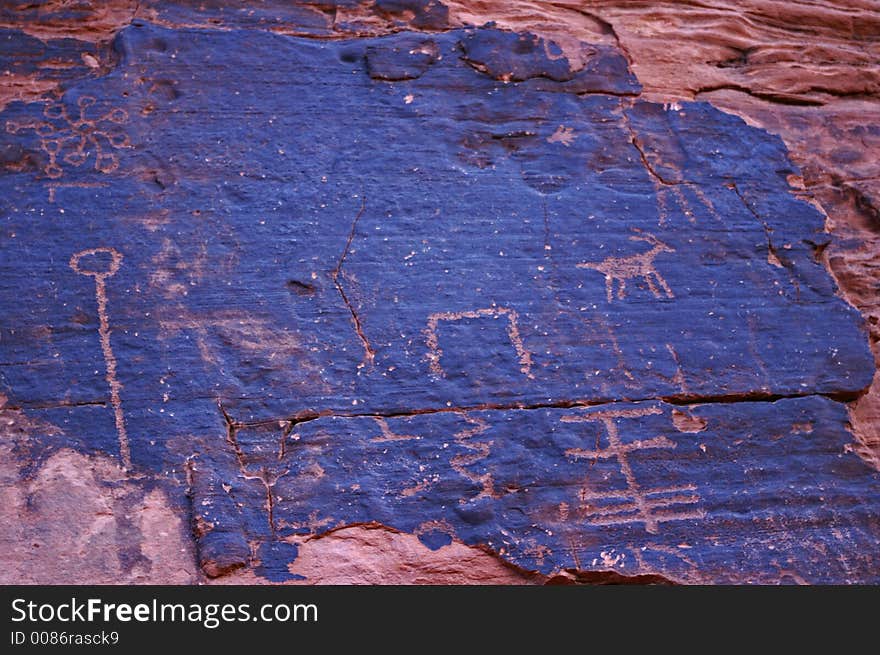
pixel 54 186
pixel 666 207
pixel 707 201
pixel 314 523
pixel 249 333
pixel 563 135
pixel 662 205
pixel 686 209
pixel 479 450
pixel 683 203
pixel 389 435
pixel 641 265
pixel 174 273
pixel 73 140
pixel 433 342
pixel 620 368
pixel 420 486
pixel 80 263
pixel 633 504
pixel 678 378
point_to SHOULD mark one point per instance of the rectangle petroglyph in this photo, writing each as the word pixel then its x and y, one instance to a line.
pixel 433 339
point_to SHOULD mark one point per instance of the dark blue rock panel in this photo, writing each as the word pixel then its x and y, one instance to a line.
pixel 268 255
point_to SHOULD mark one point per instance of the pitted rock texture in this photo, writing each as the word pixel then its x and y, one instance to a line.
pixel 427 300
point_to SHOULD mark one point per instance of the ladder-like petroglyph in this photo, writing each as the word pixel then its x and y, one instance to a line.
pixel 433 341
pixel 100 271
pixel 633 267
pixel 634 504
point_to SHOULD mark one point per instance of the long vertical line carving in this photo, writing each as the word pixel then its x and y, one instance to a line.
pixel 100 274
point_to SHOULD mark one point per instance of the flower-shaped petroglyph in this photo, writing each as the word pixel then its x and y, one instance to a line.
pixel 74 140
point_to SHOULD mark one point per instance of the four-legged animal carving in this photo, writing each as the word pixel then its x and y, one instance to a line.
pixel 636 266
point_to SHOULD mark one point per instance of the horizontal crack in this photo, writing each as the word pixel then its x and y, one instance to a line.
pixel 617 94
pixel 480 68
pixel 307 416
pixel 55 405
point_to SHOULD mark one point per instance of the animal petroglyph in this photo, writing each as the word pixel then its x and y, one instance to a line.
pixel 93 263
pixel 72 140
pixel 633 504
pixel 641 265
pixel 435 352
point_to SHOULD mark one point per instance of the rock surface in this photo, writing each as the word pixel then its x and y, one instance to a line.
pixel 385 292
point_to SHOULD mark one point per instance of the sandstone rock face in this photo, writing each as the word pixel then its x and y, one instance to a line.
pixel 423 292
